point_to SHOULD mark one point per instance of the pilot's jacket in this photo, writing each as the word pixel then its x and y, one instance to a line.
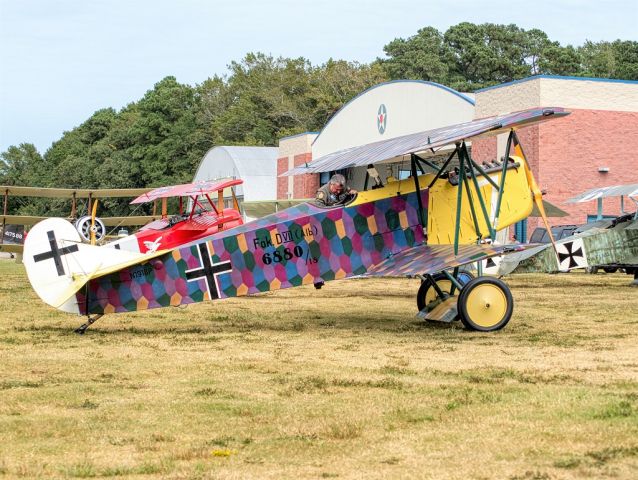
pixel 325 198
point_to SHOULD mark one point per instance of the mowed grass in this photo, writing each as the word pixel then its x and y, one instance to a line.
pixel 343 382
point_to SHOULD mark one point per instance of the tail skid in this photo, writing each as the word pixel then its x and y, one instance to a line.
pixel 58 264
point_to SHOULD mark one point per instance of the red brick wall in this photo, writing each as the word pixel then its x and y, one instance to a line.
pixel 574 147
pixel 305 186
pixel 484 149
pixel 282 182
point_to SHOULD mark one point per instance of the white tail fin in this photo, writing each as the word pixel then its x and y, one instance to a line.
pixel 58 264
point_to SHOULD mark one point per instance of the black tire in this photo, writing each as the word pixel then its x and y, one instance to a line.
pixel 498 302
pixel 610 269
pixel 463 278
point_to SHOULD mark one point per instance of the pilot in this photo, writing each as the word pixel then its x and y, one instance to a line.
pixel 335 192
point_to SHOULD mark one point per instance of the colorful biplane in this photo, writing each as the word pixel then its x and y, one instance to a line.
pixel 425 226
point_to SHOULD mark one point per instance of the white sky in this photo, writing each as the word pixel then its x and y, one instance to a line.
pixel 61 60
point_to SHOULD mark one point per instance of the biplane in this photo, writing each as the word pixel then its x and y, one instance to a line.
pixel 426 226
pixel 608 244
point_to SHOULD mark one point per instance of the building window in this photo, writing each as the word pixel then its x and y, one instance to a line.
pixel 324 177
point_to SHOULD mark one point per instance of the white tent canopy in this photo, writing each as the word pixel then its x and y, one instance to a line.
pixel 256 166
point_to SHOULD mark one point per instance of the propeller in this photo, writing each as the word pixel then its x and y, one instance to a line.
pixel 537 195
pixel 93 227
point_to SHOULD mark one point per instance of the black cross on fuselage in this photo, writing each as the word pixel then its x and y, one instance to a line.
pixel 55 253
pixel 209 271
pixel 571 255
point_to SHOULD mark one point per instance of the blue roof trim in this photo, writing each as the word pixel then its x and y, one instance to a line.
pixel 438 85
pixel 298 135
pixel 557 77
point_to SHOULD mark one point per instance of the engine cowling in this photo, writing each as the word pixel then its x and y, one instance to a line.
pixel 83 226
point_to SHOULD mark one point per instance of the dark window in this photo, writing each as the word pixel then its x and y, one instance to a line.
pixel 537 236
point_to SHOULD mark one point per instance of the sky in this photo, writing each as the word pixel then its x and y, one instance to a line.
pixel 61 60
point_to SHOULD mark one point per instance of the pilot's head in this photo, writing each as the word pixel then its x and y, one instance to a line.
pixel 337 183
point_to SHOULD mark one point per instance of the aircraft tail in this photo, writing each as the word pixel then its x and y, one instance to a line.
pixel 58 264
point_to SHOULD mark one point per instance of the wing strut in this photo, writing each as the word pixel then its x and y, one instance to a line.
pixel 503 174
pixel 442 169
pixel 479 194
pixel 459 200
pixel 422 216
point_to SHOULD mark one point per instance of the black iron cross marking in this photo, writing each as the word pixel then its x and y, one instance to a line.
pixel 55 253
pixel 571 255
pixel 209 271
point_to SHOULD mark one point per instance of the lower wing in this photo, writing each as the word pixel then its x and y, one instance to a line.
pixel 428 259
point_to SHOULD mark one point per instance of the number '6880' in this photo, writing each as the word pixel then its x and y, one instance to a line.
pixel 279 256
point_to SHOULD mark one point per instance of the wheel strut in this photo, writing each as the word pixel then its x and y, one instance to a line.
pixel 90 321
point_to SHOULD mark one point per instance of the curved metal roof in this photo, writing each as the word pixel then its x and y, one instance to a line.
pixel 463 96
pixel 257 166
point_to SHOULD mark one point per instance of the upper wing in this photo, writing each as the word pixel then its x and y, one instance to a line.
pixel 424 259
pixel 422 141
pixel 14 191
pixel 187 189
pixel 613 191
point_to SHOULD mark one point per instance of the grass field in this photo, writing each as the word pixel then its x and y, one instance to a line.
pixel 338 383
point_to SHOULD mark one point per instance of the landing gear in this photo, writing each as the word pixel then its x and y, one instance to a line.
pixel 427 292
pixel 90 321
pixel 485 304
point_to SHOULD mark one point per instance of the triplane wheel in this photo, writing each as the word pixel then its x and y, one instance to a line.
pixel 485 304
pixel 427 294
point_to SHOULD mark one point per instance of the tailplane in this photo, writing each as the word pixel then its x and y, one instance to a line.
pixel 58 264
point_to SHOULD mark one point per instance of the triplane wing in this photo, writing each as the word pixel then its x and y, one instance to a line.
pixel 196 189
pixel 383 232
pixel 207 216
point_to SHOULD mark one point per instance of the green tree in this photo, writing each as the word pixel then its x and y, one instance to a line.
pixel 265 100
pixel 558 60
pixel 165 141
pixel 21 165
pixel 485 55
pixel 618 59
pixel 420 57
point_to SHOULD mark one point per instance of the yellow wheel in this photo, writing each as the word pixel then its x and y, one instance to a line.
pixel 485 304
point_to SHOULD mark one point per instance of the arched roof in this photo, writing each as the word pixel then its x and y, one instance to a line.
pixel 256 166
pixel 407 106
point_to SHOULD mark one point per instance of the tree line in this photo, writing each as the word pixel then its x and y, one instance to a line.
pixel 161 138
